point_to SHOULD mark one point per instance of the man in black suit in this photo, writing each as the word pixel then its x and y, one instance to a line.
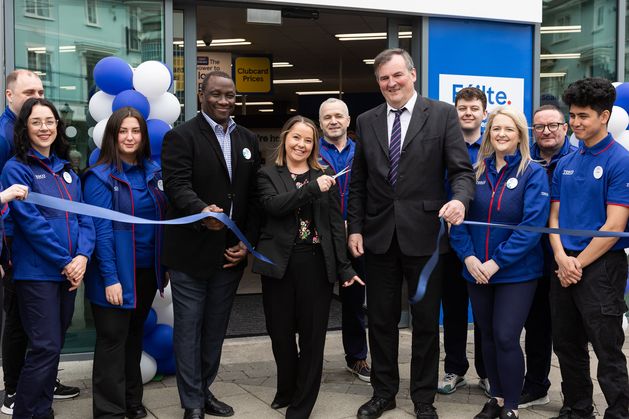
pixel 397 195
pixel 209 163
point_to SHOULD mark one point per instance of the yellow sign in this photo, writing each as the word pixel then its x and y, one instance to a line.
pixel 252 74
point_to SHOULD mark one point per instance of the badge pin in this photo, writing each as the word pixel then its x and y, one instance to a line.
pixel 598 172
pixel 67 177
pixel 160 185
pixel 246 153
pixel 512 183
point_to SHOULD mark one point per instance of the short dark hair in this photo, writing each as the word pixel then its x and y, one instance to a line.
pixel 216 73
pixel 471 93
pixel 22 141
pixel 595 92
pixel 549 107
pixel 109 153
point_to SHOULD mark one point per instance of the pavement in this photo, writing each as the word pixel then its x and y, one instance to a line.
pixel 247 377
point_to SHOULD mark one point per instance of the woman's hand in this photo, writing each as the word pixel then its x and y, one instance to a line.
pixel 491 267
pixel 477 270
pixel 75 270
pixel 351 281
pixel 16 191
pixel 325 182
pixel 113 294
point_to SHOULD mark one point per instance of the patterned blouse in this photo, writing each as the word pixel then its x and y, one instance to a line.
pixel 307 232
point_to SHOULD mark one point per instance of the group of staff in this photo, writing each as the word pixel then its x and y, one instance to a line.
pixel 410 167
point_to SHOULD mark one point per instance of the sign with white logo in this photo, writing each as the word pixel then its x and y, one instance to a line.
pixel 160 185
pixel 500 91
pixel 67 177
pixel 246 153
pixel 512 183
pixel 598 172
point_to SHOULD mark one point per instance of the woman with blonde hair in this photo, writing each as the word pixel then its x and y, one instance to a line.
pixel 502 266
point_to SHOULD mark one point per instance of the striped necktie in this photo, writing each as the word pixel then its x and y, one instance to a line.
pixel 395 147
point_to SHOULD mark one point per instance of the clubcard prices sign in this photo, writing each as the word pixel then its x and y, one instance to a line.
pixel 500 91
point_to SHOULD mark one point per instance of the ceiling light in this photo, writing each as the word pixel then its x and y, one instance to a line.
pixel 297 81
pixel 67 87
pixel 265 110
pixel 255 104
pixel 318 92
pixel 37 50
pixel 547 75
pixel 222 42
pixel 282 64
pixel 67 48
pixel 369 61
pixel 567 56
pixel 544 30
pixel 292 110
pixel 370 36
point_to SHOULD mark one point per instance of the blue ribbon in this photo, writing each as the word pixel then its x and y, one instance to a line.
pixel 432 262
pixel 94 211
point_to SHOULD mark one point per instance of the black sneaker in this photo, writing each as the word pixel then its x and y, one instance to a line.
pixel 508 414
pixel 567 413
pixel 8 403
pixel 64 392
pixel 528 400
pixel 491 410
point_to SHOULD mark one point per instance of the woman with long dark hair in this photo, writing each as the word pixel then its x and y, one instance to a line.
pixel 126 270
pixel 50 250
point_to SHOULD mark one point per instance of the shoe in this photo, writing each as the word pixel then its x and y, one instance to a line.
pixel 361 370
pixel 491 410
pixel 375 407
pixel 193 414
pixel 484 384
pixel 7 405
pixel 278 403
pixel 528 400
pixel 567 413
pixel 215 407
pixel 425 411
pixel 450 383
pixel 64 392
pixel 508 414
pixel 136 412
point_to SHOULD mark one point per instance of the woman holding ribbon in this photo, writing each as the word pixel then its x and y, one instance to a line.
pixel 304 235
pixel 502 266
pixel 50 250
pixel 126 270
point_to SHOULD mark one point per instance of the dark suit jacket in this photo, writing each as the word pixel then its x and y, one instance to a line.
pixel 279 198
pixel 433 144
pixel 195 176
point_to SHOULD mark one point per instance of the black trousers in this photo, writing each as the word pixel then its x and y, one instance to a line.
pixel 455 302
pixel 591 311
pixel 14 339
pixel 116 375
pixel 384 296
pixel 353 316
pixel 298 304
pixel 538 343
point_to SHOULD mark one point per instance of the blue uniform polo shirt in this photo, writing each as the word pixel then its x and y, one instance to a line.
pixel 584 183
pixel 339 160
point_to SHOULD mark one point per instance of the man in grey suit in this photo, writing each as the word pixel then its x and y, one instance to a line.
pixel 397 194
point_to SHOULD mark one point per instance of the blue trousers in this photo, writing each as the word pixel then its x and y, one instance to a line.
pixel 500 311
pixel 201 309
pixel 46 310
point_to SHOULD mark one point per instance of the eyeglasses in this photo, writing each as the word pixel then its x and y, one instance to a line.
pixel 37 124
pixel 552 127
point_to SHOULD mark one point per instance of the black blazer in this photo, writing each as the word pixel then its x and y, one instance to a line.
pixel 279 198
pixel 195 176
pixel 433 145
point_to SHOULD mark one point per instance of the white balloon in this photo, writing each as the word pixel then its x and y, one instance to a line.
pixel 623 139
pixel 165 107
pixel 148 366
pixel 616 83
pixel 625 323
pixel 165 315
pixel 618 121
pixel 98 131
pixel 574 140
pixel 100 105
pixel 151 78
pixel 160 302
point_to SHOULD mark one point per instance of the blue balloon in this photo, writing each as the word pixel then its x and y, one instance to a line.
pixel 150 322
pixel 113 75
pixel 133 99
pixel 157 129
pixel 167 365
pixel 159 343
pixel 622 96
pixel 627 286
pixel 94 157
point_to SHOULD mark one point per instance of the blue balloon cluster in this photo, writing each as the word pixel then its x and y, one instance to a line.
pixel 158 342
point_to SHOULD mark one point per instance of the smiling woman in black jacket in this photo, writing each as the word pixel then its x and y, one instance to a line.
pixel 304 235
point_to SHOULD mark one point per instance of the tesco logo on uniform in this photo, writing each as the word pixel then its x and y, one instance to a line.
pixel 500 91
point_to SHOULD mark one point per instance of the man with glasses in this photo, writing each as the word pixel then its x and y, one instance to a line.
pixel 20 86
pixel 551 144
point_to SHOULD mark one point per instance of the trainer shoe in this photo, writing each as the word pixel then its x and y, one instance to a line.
pixel 450 383
pixel 65 392
pixel 528 400
pixel 567 413
pixel 491 410
pixel 483 383
pixel 360 369
pixel 508 414
pixel 8 403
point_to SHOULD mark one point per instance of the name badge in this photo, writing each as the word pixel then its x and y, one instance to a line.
pixel 246 153
pixel 598 172
pixel 512 183
pixel 67 177
pixel 160 185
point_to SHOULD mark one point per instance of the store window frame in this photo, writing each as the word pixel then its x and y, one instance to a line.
pixel 37 7
pixel 91 13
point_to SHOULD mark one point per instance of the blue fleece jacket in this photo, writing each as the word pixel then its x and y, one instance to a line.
pixel 115 257
pixel 46 240
pixel 507 198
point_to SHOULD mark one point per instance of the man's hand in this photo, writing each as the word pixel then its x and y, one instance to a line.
pixel 212 223
pixel 453 212
pixel 113 294
pixel 477 269
pixel 235 254
pixel 75 270
pixel 355 244
pixel 569 270
pixel 351 281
